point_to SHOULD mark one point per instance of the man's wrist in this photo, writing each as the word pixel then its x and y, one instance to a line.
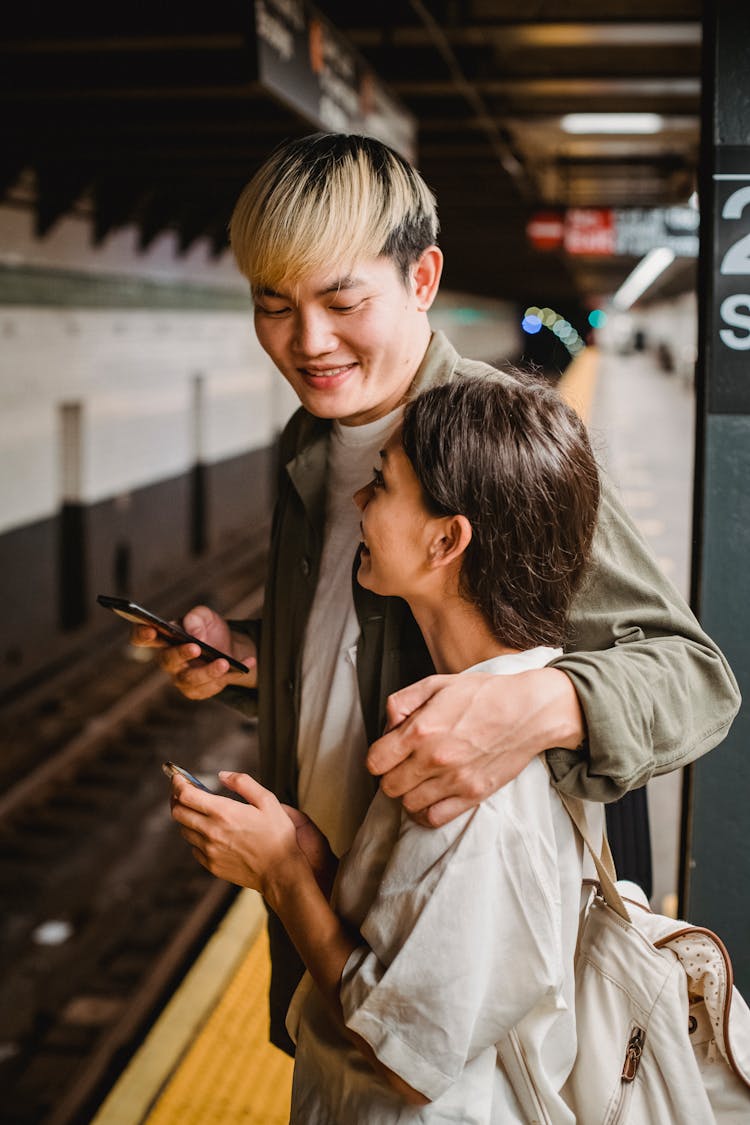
pixel 567 724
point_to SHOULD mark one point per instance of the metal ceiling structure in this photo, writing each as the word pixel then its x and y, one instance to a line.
pixel 158 117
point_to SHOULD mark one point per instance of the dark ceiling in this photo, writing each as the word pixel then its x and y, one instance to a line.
pixel 138 114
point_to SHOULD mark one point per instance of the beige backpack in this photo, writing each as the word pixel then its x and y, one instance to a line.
pixel 663 1034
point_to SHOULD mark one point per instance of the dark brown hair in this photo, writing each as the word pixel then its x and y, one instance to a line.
pixel 508 454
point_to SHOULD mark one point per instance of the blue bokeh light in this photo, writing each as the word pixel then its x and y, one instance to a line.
pixel 535 318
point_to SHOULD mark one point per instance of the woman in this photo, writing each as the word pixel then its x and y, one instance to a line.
pixel 440 975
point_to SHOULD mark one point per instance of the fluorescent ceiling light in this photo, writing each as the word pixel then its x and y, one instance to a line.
pixel 643 276
pixel 611 123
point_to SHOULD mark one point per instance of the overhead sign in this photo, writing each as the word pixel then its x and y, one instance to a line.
pixel 545 230
pixel 605 232
pixel 589 231
pixel 640 229
pixel 311 67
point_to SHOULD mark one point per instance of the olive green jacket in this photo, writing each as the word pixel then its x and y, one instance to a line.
pixel 655 690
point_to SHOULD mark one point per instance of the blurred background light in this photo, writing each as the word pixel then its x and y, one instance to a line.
pixel 468 315
pixel 611 123
pixel 643 276
pixel 535 318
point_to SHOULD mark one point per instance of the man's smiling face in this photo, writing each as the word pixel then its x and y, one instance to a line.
pixel 349 340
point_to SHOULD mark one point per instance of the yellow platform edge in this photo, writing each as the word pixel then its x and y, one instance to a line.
pixel 232 1074
pixel 147 1073
pixel 578 382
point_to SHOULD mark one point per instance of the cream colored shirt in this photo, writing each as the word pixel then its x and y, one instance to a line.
pixel 335 787
pixel 468 937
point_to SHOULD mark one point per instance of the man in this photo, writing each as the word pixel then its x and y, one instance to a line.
pixel 336 235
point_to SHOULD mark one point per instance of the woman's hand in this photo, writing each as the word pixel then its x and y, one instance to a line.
pixel 253 844
pixel 278 851
pixel 192 675
pixel 315 848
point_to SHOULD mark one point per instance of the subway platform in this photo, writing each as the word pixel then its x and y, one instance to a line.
pixel 207 1059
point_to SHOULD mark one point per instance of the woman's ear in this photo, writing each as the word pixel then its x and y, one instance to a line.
pixel 452 537
pixel 426 276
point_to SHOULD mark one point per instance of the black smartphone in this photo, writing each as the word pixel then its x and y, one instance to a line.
pixel 166 629
pixel 170 769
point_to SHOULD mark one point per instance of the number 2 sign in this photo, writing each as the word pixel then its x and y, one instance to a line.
pixel 728 296
pixel 735 307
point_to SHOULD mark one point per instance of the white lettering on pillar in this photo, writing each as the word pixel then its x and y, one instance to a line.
pixel 734 310
pixel 731 314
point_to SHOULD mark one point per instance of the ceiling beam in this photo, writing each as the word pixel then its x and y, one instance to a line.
pixel 586 10
pixel 122 44
pixel 625 34
pixel 590 86
pixel 684 124
pixel 470 91
pixel 247 91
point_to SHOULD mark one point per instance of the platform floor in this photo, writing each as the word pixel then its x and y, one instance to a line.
pixel 642 426
pixel 207 1059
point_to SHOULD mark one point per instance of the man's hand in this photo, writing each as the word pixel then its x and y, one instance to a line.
pixel 451 741
pixel 198 678
pixel 251 843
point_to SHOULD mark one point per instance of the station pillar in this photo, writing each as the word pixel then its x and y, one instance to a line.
pixel 716 814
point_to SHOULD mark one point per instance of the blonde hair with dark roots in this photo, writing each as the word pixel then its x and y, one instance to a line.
pixel 327 199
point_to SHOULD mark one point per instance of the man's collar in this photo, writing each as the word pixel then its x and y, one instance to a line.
pixel 439 359
pixel 307 469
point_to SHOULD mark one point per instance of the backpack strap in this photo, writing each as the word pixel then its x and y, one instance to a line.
pixel 603 862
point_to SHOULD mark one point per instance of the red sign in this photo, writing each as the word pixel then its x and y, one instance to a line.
pixel 589 231
pixel 545 230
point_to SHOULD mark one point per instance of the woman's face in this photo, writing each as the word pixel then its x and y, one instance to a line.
pixel 396 527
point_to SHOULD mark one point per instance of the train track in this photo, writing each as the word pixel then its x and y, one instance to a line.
pixel 104 907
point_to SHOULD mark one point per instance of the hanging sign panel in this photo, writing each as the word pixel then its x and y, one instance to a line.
pixel 590 231
pixel 305 62
pixel 606 232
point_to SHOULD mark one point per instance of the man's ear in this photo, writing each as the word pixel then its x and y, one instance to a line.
pixel 426 276
pixel 452 537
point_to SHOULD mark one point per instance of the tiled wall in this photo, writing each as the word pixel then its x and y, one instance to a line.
pixel 124 378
